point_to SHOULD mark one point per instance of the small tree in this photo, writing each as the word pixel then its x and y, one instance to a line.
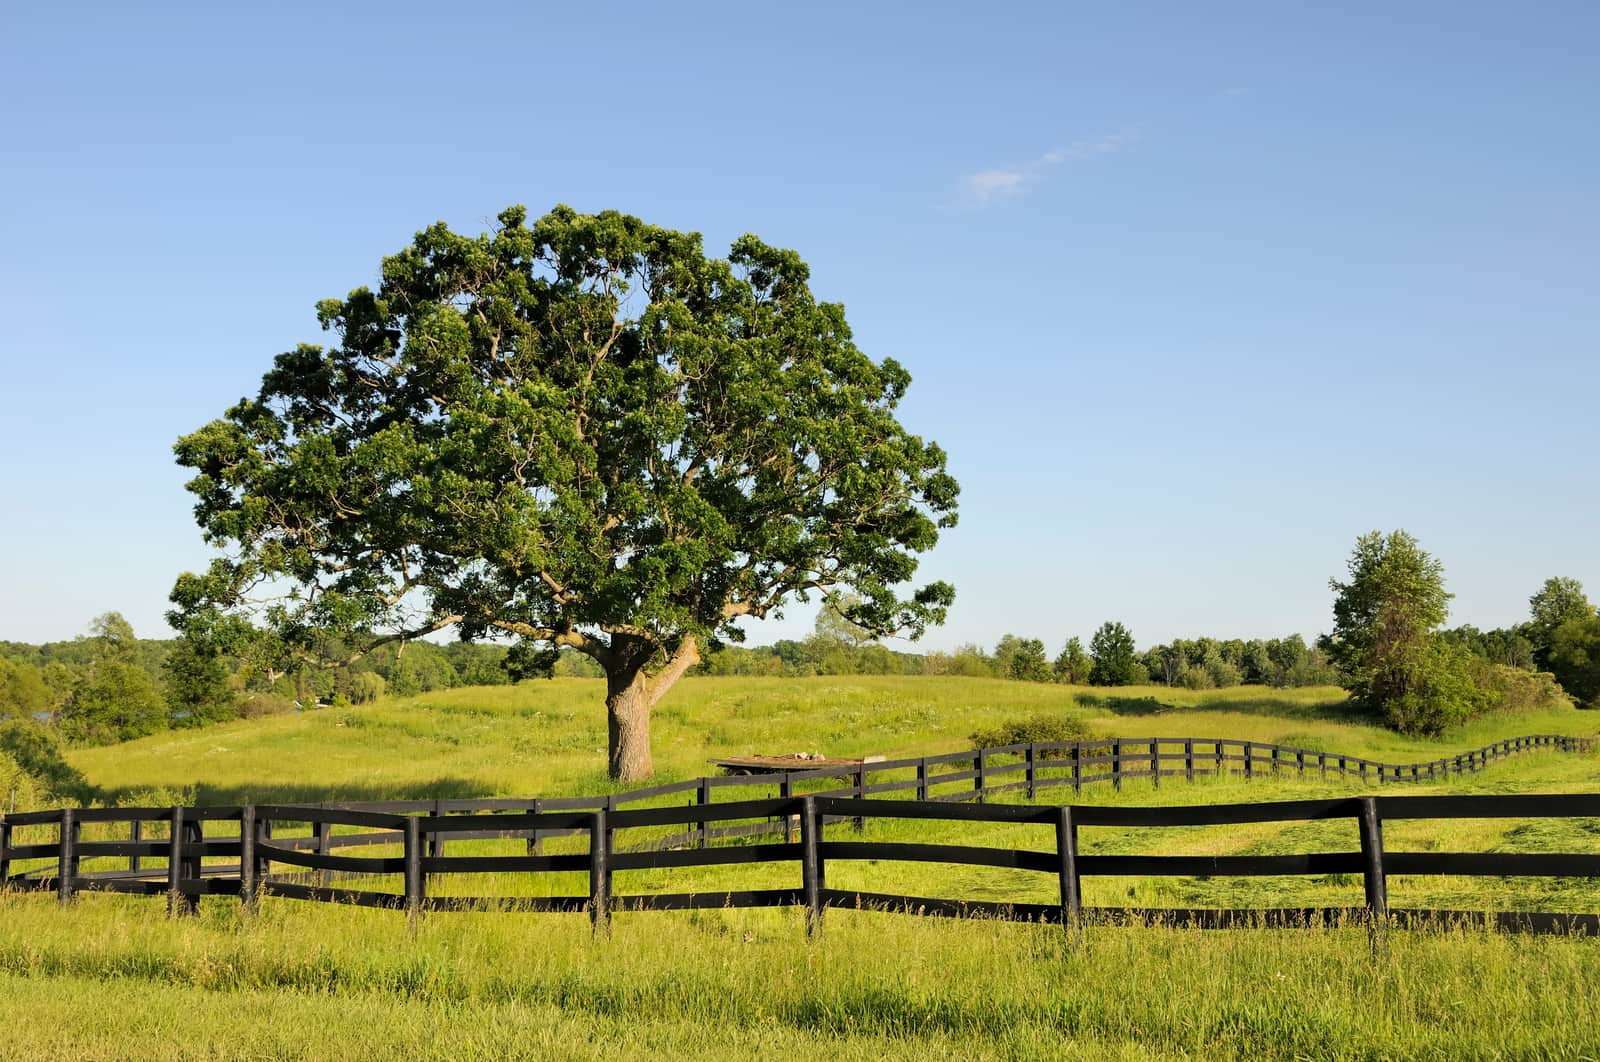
pixel 834 625
pixel 1384 617
pixel 1115 661
pixel 199 687
pixel 1574 656
pixel 22 690
pixel 1073 664
pixel 118 702
pixel 1558 601
pixel 112 636
pixel 584 433
pixel 1022 658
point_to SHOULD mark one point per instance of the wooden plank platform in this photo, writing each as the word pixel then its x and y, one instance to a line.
pixel 780 764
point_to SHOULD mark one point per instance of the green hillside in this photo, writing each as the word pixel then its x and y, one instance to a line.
pixel 548 737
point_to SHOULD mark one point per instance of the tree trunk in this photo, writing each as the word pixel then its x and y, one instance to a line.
pixel 631 694
pixel 628 715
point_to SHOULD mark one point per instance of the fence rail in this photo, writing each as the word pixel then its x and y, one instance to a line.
pixel 422 829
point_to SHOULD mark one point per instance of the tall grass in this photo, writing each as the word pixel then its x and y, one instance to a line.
pixel 304 981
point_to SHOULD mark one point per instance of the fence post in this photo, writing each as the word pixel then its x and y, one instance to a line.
pixel 436 837
pixel 1067 854
pixel 1033 747
pixel 415 883
pixel 812 880
pixel 1219 750
pixel 703 798
pixel 980 764
pixel 1077 767
pixel 5 852
pixel 194 838
pixel 599 872
pixel 247 857
pixel 67 865
pixel 1300 763
pixel 1249 767
pixel 135 834
pixel 1188 759
pixel 324 832
pixel 175 904
pixel 791 823
pixel 1277 759
pixel 1116 764
pixel 1155 762
pixel 1372 860
pixel 535 836
pixel 860 822
pixel 1322 762
pixel 263 864
pixel 922 778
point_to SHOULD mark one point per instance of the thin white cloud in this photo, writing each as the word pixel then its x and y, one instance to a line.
pixel 990 186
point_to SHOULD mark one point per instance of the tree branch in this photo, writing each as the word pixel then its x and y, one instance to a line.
pixel 687 655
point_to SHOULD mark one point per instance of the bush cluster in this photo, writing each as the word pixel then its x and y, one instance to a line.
pixel 1037 728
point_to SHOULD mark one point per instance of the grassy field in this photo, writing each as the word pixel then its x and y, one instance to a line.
pixel 108 978
pixel 547 738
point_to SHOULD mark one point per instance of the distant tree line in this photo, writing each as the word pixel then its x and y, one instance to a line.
pixel 110 686
pixel 1388 648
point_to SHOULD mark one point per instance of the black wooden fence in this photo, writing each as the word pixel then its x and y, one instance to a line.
pixel 238 857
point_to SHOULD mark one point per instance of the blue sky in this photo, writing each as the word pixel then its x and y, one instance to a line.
pixel 1193 294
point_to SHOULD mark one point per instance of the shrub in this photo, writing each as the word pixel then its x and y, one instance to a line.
pixel 261 705
pixel 1223 674
pixel 1440 692
pixel 159 796
pixel 1512 689
pixel 36 750
pixel 1447 685
pixel 1038 728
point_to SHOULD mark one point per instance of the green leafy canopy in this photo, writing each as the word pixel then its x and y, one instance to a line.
pixel 582 431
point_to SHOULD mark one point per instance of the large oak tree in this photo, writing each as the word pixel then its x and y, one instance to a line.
pixel 583 432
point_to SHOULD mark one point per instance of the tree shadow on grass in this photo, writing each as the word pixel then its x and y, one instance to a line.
pixel 280 792
pixel 1122 705
pixel 1247 701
